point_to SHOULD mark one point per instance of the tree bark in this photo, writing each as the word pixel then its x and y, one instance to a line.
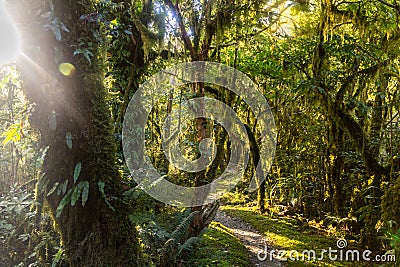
pixel 72 116
pixel 200 221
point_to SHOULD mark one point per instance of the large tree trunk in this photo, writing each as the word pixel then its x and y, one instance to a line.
pixel 335 163
pixel 72 116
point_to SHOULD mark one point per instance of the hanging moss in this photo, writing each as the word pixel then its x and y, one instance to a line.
pixel 149 38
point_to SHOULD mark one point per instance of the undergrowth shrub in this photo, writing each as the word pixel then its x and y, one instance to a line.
pixel 26 237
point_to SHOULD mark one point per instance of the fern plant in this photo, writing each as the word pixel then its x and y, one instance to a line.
pixel 177 244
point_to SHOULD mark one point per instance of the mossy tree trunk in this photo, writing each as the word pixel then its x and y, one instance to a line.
pixel 332 98
pixel 207 212
pixel 336 162
pixel 255 158
pixel 73 119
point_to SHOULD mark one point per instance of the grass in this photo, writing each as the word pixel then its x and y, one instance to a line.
pixel 284 233
pixel 219 248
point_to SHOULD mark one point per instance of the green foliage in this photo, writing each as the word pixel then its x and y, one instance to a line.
pixel 12 134
pixel 235 198
pixel 13 210
pixel 218 247
pixel 85 52
pixel 57 257
pixel 287 234
pixel 25 240
pixel 77 171
pixel 64 201
pixel 166 247
pixel 143 201
pixel 85 48
pixel 341 58
pixel 71 197
pixel 101 185
pixel 54 24
pixel 176 244
pixel 18 152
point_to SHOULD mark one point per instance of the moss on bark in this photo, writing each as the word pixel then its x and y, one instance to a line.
pixel 99 232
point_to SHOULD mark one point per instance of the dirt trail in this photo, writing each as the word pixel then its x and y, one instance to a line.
pixel 250 238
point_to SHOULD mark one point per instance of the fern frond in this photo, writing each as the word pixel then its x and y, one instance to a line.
pixel 181 230
pixel 172 247
pixel 189 244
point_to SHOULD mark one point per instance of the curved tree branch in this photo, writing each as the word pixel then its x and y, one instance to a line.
pixel 188 44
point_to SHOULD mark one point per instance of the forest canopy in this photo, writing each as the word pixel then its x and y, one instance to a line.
pixel 327 73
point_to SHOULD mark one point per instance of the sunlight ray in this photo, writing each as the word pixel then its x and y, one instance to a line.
pixel 44 83
pixel 10 44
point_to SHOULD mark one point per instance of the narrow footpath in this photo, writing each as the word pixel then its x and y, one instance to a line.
pixel 254 241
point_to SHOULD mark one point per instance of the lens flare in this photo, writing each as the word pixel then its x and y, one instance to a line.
pixel 10 45
pixel 67 69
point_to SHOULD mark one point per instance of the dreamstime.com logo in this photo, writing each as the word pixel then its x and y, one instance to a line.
pixel 340 253
pixel 158 87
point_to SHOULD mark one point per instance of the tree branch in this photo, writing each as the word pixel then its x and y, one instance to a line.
pixel 188 44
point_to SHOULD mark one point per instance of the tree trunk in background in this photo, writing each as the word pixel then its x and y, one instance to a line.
pixel 255 158
pixel 72 116
pixel 336 161
pixel 206 212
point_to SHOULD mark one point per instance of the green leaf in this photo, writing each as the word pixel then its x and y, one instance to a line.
pixel 42 184
pixel 189 244
pixel 114 21
pixel 76 194
pixel 12 133
pixel 87 55
pixel 85 192
pixel 57 32
pixel 77 171
pixel 53 189
pixel 101 188
pixel 85 52
pixel 63 27
pixel 101 185
pixel 68 137
pixel 57 257
pixel 62 188
pixel 66 199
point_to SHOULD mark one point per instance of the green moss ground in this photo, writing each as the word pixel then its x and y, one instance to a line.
pixel 219 248
pixel 284 233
